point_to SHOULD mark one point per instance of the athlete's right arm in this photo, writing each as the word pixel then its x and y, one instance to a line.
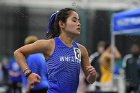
pixel 40 46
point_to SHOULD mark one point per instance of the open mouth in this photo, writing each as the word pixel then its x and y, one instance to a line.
pixel 78 28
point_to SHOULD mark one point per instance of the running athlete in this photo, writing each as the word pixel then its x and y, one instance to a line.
pixel 63 55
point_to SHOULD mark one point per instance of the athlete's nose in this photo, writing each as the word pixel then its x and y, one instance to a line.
pixel 79 24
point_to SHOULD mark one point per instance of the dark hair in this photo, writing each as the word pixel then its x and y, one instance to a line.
pixel 53 26
pixel 107 45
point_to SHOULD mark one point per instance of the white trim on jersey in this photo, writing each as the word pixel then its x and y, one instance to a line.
pixel 126 57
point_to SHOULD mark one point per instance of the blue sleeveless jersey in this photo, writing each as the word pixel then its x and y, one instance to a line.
pixel 64 68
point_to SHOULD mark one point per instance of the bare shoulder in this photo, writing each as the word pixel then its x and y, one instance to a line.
pixel 43 45
pixel 41 41
pixel 48 45
pixel 44 42
pixel 83 49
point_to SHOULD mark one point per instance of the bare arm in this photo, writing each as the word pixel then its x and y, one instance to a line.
pixel 40 46
pixel 88 70
pixel 117 54
pixel 107 54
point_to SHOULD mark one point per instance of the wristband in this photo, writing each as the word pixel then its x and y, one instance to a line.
pixel 26 70
pixel 28 74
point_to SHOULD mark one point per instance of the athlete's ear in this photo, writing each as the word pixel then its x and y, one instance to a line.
pixel 61 24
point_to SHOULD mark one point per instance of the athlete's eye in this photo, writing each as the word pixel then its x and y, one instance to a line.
pixel 74 20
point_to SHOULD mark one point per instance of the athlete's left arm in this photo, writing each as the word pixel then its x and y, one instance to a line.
pixel 88 70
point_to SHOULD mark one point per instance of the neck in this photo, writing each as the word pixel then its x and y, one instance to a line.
pixel 66 40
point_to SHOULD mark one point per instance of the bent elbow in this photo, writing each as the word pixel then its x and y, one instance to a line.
pixel 16 52
pixel 117 57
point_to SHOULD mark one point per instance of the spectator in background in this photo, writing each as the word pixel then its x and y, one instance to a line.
pixel 14 77
pixel 105 66
pixel 5 65
pixel 94 58
pixel 37 64
pixel 131 63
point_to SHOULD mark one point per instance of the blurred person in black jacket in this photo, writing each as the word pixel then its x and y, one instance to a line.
pixel 131 64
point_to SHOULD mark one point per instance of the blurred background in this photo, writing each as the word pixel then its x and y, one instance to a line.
pixel 20 18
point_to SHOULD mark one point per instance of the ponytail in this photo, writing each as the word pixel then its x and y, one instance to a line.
pixel 53 26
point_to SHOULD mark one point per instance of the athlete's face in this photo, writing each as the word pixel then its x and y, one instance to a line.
pixel 72 25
